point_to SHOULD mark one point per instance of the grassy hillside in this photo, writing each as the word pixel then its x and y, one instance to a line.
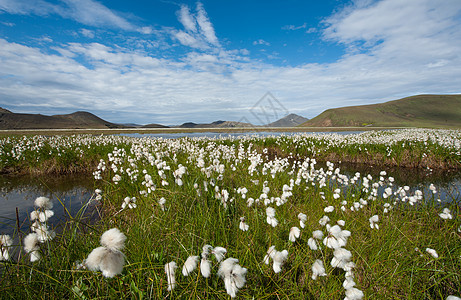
pixel 439 111
pixel 9 120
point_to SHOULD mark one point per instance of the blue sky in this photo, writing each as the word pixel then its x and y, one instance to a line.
pixel 170 62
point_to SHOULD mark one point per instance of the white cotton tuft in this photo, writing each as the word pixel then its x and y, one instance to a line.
pixel 205 267
pixel 170 269
pixel 113 239
pixel 354 294
pixel 317 234
pixel 219 253
pixel 190 265
pixel 432 252
pixel 206 250
pixel 44 203
pixel 329 209
pixel 279 259
pixel 318 269
pixel 446 214
pixel 312 244
pixel 31 243
pixel 109 262
pixel 5 244
pixel 243 226
pixel 294 234
pixel 233 275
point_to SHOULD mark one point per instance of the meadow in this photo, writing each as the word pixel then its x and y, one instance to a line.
pixel 248 217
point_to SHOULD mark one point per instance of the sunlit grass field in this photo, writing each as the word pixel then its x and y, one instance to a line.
pixel 281 206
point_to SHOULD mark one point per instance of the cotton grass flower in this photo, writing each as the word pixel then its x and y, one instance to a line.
pixel 130 202
pixel 109 259
pixel 294 234
pixel 243 226
pixel 279 259
pixel 162 202
pixel 31 246
pixel 329 209
pixel 318 269
pixel 5 244
pixel 219 253
pixel 233 275
pixel 354 294
pixel 446 214
pixel 302 219
pixel 373 222
pixel 269 254
pixel 190 265
pixel 432 252
pixel 170 269
pixel 43 203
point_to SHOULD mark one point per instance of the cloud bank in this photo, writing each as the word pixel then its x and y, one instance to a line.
pixel 393 49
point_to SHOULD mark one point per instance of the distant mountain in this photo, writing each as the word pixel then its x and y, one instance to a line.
pixel 153 125
pixel 292 120
pixel 439 111
pixel 216 124
pixel 76 120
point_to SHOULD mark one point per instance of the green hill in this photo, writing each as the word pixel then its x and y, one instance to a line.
pixel 438 111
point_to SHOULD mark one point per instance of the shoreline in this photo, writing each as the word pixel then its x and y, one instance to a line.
pixel 188 130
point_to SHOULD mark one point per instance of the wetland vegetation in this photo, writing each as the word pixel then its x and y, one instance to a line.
pixel 249 217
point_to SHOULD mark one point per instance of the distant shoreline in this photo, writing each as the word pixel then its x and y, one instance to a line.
pixel 188 130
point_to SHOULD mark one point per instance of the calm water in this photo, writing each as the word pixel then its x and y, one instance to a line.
pixel 20 192
pixel 223 134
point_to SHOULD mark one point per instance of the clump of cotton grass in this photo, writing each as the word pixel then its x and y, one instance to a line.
pixel 109 259
pixel 129 202
pixel 233 275
pixel 329 209
pixel 205 264
pixel 270 219
pixel 190 265
pixel 219 253
pixel 373 222
pixel 353 294
pixel 40 216
pixel 170 269
pixel 294 234
pixel 5 244
pixel 162 202
pixel 336 238
pixel 432 252
pixel 43 203
pixel 446 214
pixel 278 258
pixel 318 269
pixel 31 246
pixel 302 220
pixel 243 226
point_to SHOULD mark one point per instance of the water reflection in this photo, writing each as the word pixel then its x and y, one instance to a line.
pixel 20 192
pixel 225 134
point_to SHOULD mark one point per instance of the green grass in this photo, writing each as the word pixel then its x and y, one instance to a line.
pixel 431 111
pixel 387 264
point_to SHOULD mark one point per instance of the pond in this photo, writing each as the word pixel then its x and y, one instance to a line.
pixel 228 134
pixel 67 192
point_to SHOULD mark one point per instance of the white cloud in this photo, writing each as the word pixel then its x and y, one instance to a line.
pixel 186 19
pixel 205 25
pixel 87 33
pixel 261 42
pixel 201 37
pixel 87 12
pixel 38 7
pixel 293 27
